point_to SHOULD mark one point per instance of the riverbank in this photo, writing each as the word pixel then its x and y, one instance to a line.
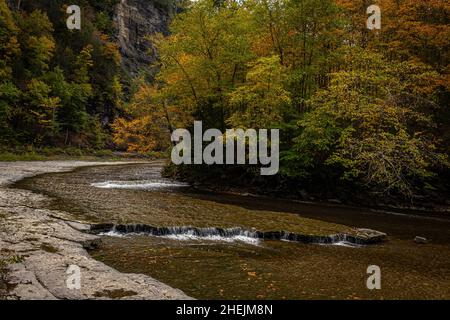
pixel 72 153
pixel 136 197
pixel 37 245
pixel 238 181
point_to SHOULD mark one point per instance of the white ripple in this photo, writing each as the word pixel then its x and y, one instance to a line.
pixel 189 237
pixel 138 185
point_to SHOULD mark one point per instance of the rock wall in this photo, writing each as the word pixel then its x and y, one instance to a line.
pixel 134 20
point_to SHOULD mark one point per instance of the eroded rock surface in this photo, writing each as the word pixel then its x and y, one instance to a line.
pixel 39 245
pixel 134 21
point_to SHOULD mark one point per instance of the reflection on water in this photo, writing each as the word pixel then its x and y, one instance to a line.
pixel 217 268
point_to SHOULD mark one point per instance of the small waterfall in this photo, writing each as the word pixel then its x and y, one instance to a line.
pixel 180 233
pixel 187 232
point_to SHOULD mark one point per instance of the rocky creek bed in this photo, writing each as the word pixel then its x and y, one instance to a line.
pixel 37 246
pixel 211 246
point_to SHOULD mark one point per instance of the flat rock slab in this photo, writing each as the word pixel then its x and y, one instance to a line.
pixel 44 244
pixel 370 236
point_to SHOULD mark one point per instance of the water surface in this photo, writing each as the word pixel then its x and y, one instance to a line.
pixel 240 268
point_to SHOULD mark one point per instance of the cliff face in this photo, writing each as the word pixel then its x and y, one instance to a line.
pixel 135 19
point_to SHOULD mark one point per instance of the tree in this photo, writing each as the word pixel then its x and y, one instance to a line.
pixel 37 44
pixel 204 58
pixel 105 79
pixel 262 101
pixel 149 124
pixel 9 46
pixel 371 125
pixel 9 51
pixel 72 115
pixel 41 109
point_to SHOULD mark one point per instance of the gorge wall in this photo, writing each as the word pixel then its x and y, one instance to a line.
pixel 134 20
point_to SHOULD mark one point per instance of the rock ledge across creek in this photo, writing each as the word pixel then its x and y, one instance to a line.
pixel 359 237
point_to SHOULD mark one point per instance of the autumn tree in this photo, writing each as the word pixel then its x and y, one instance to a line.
pixel 262 102
pixel 371 126
pixel 148 123
pixel 58 87
pixel 9 51
pixel 204 58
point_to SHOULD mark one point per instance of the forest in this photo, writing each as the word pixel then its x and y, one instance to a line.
pixel 359 111
pixel 59 87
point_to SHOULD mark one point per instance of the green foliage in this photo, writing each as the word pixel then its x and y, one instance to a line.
pixel 355 108
pixel 9 93
pixel 36 42
pixel 262 101
pixel 358 108
pixel 149 126
pixel 9 47
pixel 59 87
pixel 205 58
pixel 370 125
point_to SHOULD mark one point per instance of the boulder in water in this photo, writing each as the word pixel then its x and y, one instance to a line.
pixel 420 240
pixel 370 236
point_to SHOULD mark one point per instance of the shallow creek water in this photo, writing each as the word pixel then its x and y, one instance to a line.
pixel 242 267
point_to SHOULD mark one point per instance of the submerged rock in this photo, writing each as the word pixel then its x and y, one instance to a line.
pixel 370 236
pixel 420 240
